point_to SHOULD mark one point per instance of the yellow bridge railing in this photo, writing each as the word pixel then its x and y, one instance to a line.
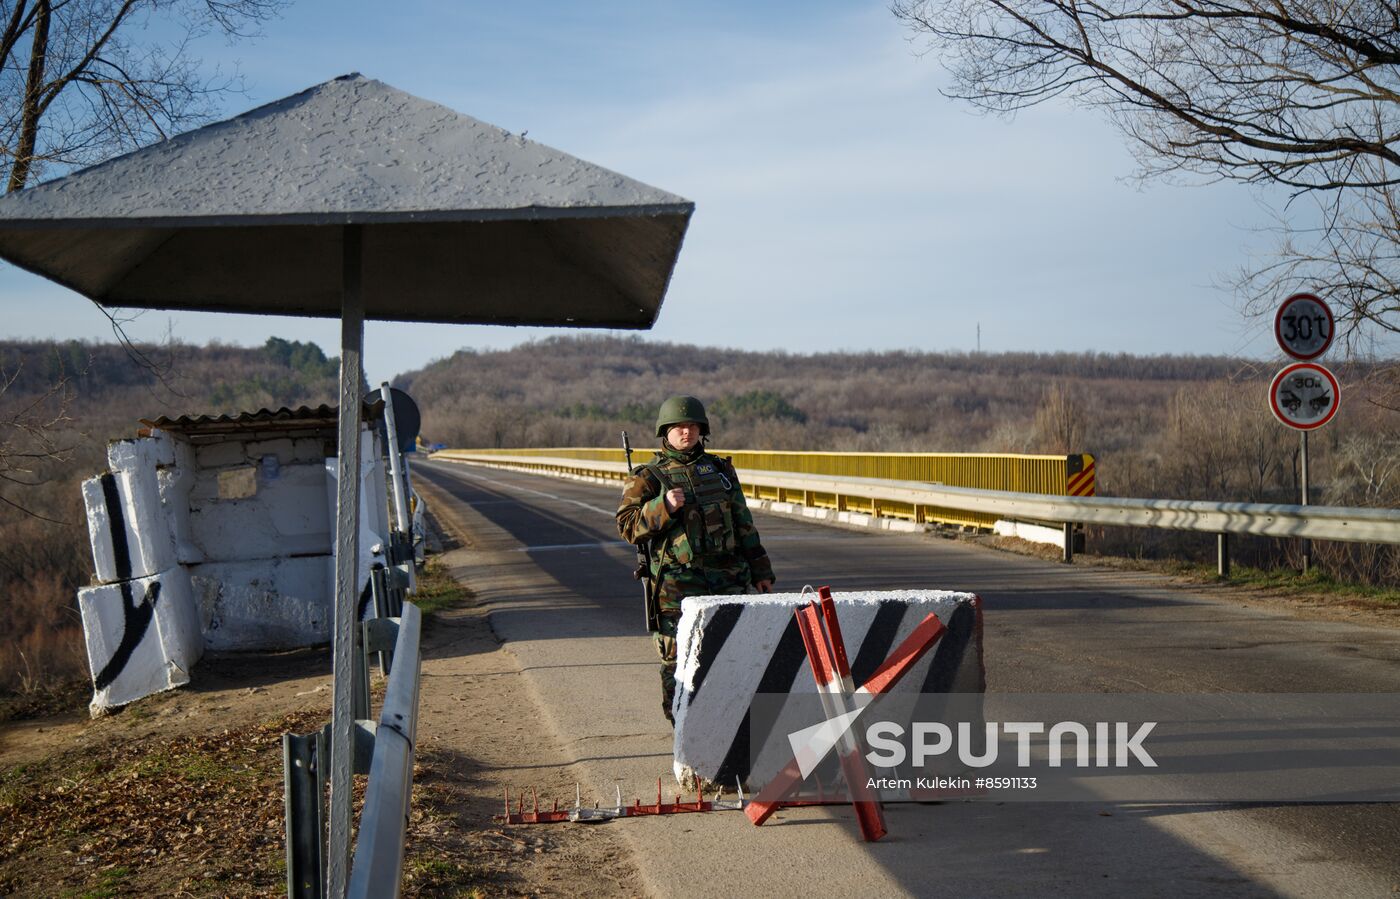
pixel 1068 475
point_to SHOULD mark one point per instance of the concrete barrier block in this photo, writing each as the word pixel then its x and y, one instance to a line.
pixel 141 452
pixel 127 526
pixel 732 647
pixel 99 523
pixel 1035 533
pixel 175 484
pixel 142 637
pixel 264 603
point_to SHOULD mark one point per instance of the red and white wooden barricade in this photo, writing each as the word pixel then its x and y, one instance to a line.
pixel 821 635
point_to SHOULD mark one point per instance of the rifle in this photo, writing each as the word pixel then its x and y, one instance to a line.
pixel 643 570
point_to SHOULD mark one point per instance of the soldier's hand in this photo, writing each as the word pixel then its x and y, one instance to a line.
pixel 675 498
pixel 764 586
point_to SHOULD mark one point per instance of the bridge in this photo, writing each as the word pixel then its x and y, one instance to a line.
pixel 546 560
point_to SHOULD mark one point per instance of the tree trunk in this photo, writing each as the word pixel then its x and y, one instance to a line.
pixel 33 88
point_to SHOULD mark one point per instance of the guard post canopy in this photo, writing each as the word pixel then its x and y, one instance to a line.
pixel 356 200
pixel 462 221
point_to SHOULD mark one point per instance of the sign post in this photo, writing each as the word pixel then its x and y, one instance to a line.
pixel 1304 395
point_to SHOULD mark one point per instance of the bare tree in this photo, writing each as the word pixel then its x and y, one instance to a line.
pixel 83 80
pixel 1303 94
pixel 28 436
pixel 1059 422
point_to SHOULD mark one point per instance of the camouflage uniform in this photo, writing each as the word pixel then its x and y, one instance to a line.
pixel 708 546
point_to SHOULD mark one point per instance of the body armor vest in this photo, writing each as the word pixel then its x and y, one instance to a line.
pixel 707 516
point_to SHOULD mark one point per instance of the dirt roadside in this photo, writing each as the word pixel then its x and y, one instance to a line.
pixel 181 794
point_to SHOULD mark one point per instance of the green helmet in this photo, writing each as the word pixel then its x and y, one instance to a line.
pixel 678 409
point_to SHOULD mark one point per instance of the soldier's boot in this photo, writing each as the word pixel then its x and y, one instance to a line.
pixel 668 689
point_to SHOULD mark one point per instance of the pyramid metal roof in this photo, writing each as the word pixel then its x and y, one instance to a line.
pixel 463 221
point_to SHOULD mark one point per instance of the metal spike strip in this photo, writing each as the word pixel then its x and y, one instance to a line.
pixel 679 805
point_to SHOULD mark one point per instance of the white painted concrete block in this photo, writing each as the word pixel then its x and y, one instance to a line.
pixel 731 647
pixel 175 483
pixel 283 517
pixel 141 452
pixel 264 603
pixel 217 455
pixel 142 637
pixel 99 524
pixel 308 449
pixel 282 448
pixel 127 526
pixel 1035 533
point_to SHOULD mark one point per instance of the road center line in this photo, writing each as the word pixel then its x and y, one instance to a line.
pixel 563 499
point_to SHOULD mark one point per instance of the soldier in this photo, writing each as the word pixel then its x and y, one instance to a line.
pixel 688 504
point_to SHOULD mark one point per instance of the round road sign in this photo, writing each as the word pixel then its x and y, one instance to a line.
pixel 1303 326
pixel 1304 395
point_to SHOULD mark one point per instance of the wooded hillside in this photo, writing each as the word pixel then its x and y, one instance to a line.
pixel 1159 425
pixel 1163 426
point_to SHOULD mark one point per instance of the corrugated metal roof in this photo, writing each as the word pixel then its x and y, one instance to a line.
pixel 285 418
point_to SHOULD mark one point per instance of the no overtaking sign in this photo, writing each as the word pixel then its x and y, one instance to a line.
pixel 1304 396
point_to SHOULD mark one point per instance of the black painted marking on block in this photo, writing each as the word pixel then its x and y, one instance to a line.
pixel 783 665
pixel 947 658
pixel 875 648
pixel 116 523
pixel 716 633
pixel 136 621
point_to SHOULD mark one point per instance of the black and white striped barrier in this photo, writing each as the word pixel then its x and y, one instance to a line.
pixel 731 648
pixel 140 623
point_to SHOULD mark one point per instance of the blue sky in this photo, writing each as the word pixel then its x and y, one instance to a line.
pixel 841 201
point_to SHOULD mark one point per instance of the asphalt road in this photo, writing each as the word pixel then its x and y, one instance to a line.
pixel 547 561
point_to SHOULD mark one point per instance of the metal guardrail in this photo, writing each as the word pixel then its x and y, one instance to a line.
pixel 1071 474
pixel 378 866
pixel 1262 519
pixel 379 751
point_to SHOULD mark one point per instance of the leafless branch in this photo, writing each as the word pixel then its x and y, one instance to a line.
pixel 1303 94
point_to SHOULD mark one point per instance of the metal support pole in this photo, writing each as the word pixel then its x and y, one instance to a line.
pixel 1222 554
pixel 1307 544
pixel 396 473
pixel 304 804
pixel 403 523
pixel 361 668
pixel 379 589
pixel 1069 542
pixel 347 562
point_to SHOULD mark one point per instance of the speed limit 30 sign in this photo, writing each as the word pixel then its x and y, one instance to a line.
pixel 1303 326
pixel 1304 395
